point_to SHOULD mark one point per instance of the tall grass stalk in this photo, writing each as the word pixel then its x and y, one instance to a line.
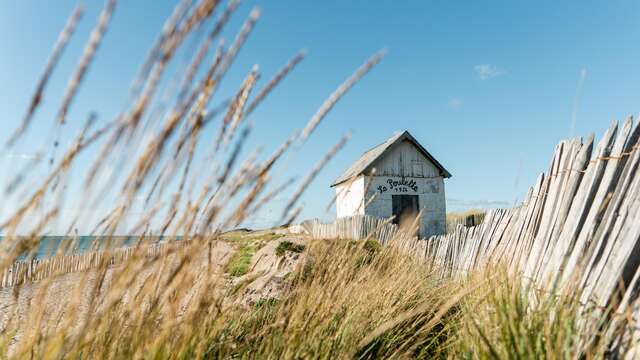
pixel 344 299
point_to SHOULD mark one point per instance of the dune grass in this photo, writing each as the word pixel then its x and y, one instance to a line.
pixel 346 299
pixel 334 302
pixel 338 306
pixel 502 321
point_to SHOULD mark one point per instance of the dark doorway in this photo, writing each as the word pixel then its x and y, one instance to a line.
pixel 404 209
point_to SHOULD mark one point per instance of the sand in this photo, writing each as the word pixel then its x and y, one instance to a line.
pixel 54 295
pixel 266 279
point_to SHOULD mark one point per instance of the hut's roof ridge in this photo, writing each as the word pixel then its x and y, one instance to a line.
pixel 370 156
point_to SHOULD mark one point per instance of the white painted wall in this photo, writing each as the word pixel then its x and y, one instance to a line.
pixel 350 198
pixel 431 199
pixel 403 161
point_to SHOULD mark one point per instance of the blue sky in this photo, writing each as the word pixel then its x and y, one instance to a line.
pixel 488 87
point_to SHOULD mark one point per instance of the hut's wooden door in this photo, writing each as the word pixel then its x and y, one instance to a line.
pixel 405 209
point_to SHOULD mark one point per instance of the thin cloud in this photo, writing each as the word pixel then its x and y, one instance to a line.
pixel 487 71
pixel 455 103
pixel 21 156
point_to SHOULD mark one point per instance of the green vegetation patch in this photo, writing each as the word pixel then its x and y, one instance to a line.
pixel 239 263
pixel 372 246
pixel 285 246
pixel 247 245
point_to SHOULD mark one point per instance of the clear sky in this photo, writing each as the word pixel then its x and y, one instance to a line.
pixel 487 87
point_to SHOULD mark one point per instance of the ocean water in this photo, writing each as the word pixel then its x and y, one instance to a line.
pixel 49 245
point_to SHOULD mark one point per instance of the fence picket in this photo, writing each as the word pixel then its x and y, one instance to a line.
pixel 578 226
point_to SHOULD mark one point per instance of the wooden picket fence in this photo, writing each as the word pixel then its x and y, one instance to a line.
pixel 21 272
pixel 578 229
pixel 579 225
pixel 470 220
pixel 355 227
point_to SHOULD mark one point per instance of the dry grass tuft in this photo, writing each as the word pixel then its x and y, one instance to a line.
pixel 148 303
pixel 345 299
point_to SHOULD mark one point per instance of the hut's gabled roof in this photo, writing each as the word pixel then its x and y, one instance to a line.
pixel 365 162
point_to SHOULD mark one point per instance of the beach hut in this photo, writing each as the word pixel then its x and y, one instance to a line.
pixel 398 178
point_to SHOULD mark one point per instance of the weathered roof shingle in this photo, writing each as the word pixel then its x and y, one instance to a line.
pixel 363 164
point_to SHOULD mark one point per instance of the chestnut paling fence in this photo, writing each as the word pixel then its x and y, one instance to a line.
pixel 580 224
pixel 466 220
pixel 21 272
pixel 355 227
pixel 578 229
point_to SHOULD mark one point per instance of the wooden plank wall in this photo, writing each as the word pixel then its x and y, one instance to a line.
pixel 405 160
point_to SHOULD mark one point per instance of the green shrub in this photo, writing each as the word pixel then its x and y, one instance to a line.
pixel 372 246
pixel 285 246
